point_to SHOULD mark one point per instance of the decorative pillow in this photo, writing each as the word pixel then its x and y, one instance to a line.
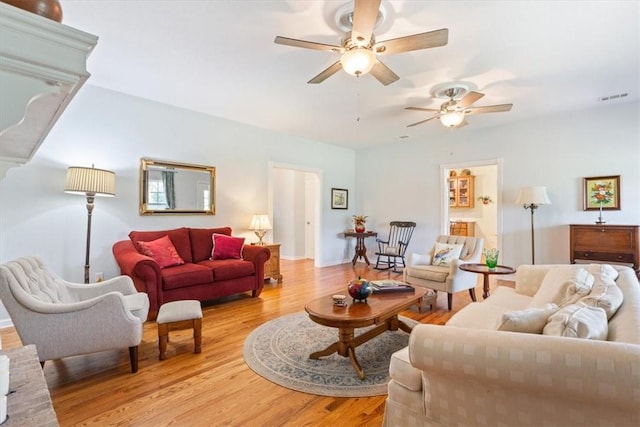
pixel 418 259
pixel 226 247
pixel 444 253
pixel 563 286
pixel 531 320
pixel 604 294
pixel 604 270
pixel 162 251
pixel 578 321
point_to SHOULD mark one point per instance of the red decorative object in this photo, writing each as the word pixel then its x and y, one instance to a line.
pixel 359 289
pixel 360 228
pixel 48 8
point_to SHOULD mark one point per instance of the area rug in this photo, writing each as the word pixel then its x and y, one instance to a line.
pixel 279 351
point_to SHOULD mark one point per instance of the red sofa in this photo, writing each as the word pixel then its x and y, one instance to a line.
pixel 199 278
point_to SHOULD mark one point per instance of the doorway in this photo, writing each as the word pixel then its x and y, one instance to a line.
pixel 295 210
pixel 482 215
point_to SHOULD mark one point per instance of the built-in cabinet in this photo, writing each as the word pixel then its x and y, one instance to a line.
pixel 461 191
pixel 461 228
pixel 605 243
pixel 42 66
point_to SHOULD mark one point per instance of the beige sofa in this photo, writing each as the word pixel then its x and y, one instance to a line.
pixel 468 373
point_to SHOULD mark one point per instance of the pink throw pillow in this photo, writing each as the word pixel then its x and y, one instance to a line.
pixel 226 247
pixel 162 251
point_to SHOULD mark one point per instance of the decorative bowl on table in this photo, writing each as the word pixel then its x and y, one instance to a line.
pixel 359 289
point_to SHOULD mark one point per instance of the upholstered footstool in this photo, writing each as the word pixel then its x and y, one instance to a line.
pixel 179 315
pixel 428 300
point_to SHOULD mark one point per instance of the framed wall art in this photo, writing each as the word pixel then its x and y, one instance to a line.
pixel 602 193
pixel 339 198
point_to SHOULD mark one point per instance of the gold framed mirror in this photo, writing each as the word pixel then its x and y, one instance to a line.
pixel 176 188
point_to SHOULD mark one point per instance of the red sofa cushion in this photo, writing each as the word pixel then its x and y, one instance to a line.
pixel 201 243
pixel 228 269
pixel 227 247
pixel 162 251
pixel 185 275
pixel 179 237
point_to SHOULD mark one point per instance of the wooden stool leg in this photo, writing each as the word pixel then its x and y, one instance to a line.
pixel 197 335
pixel 163 338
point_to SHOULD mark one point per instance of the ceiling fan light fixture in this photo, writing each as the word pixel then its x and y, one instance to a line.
pixel 358 61
pixel 452 118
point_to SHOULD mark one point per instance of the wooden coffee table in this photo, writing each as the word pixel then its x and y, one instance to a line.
pixel 381 310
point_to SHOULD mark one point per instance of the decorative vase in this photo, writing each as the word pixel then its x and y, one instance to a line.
pixel 491 258
pixel 360 228
pixel 48 8
pixel 359 289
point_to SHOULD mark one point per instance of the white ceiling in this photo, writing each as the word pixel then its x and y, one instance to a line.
pixel 218 57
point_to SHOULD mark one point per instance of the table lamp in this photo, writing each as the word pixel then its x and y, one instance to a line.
pixel 260 224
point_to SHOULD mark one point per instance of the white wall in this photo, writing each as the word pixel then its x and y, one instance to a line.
pixel 556 152
pixel 114 131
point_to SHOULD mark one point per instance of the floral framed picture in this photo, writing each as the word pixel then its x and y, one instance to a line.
pixel 339 198
pixel 602 193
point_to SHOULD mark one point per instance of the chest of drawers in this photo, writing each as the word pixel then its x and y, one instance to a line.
pixel 608 243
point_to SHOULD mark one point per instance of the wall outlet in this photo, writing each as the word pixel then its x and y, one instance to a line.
pixel 99 277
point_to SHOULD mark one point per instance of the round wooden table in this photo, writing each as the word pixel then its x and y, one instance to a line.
pixel 361 250
pixel 486 272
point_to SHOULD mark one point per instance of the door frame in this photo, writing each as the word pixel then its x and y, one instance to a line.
pixel 317 236
pixel 444 193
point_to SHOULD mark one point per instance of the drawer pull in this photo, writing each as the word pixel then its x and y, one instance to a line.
pixel 586 255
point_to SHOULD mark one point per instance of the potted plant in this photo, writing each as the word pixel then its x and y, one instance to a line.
pixel 359 221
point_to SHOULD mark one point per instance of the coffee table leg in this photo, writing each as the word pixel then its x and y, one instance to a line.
pixel 333 348
pixel 355 363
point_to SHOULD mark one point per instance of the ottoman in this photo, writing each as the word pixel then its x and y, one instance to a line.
pixel 179 315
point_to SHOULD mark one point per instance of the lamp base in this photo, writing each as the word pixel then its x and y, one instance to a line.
pixel 600 221
pixel 260 234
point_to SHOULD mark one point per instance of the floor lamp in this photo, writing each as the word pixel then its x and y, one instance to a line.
pixel 90 182
pixel 531 198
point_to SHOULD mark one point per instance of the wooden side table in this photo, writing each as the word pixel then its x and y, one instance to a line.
pixel 486 272
pixel 361 250
pixel 272 266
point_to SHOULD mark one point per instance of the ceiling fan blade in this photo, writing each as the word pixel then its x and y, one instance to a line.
pixel 415 42
pixel 422 121
pixel 383 73
pixel 326 73
pixel 433 110
pixel 365 14
pixel 489 109
pixel 307 45
pixel 469 99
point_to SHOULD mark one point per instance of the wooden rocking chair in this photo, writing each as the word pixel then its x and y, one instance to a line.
pixel 391 251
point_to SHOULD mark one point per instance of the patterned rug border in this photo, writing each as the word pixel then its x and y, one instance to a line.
pixel 279 349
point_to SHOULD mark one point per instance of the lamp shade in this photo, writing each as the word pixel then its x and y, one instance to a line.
pixel 82 180
pixel 533 196
pixel 260 222
pixel 451 119
pixel 358 61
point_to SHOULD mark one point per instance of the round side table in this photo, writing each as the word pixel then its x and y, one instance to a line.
pixel 486 272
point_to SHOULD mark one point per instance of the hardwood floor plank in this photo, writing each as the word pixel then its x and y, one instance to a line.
pixel 216 387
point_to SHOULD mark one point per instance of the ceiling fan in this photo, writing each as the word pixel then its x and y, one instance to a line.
pixel 359 49
pixel 452 113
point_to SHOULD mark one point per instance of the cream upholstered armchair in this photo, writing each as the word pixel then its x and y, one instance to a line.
pixel 421 271
pixel 66 319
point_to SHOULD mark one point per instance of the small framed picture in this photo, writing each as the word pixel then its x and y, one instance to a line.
pixel 602 192
pixel 339 198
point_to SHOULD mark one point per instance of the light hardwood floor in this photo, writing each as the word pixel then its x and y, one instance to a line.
pixel 216 388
